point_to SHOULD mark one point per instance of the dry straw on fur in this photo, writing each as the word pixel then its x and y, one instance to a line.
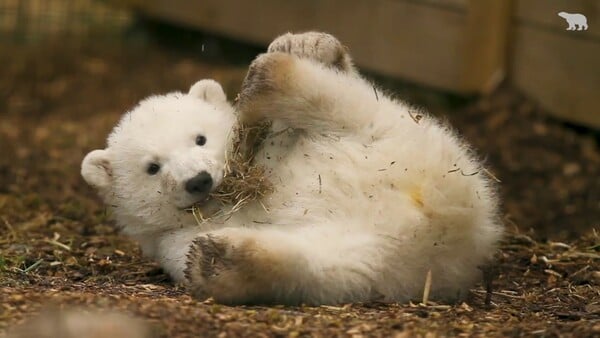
pixel 244 181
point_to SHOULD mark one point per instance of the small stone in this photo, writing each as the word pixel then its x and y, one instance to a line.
pixel 16 298
pixel 572 168
pixel 540 129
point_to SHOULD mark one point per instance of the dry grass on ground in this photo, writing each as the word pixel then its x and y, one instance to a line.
pixel 57 245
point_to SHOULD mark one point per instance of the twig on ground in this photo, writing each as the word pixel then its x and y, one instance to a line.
pixel 32 266
pixel 54 241
pixel 427 287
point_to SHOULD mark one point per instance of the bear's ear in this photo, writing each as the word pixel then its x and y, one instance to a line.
pixel 96 169
pixel 208 90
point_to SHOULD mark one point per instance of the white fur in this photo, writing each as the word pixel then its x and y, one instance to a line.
pixel 162 129
pixel 370 193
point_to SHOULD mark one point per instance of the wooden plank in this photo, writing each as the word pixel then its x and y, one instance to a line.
pixel 415 42
pixel 405 38
pixel 459 5
pixel 256 22
pixel 544 13
pixel 561 72
pixel 486 42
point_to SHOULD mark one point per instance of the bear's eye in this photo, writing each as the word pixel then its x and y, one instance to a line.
pixel 153 168
pixel 200 140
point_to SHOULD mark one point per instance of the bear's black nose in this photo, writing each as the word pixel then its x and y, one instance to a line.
pixel 199 184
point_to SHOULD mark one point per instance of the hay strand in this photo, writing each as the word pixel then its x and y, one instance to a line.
pixel 243 181
pixel 427 288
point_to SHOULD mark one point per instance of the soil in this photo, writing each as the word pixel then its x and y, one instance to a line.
pixel 58 247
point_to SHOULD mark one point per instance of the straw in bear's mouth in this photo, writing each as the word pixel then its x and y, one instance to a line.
pixel 190 209
pixel 243 181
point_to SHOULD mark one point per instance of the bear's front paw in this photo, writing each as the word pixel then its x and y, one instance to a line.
pixel 205 261
pixel 321 47
pixel 225 267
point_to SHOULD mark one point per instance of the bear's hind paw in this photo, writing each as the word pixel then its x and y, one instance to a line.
pixel 320 47
pixel 206 259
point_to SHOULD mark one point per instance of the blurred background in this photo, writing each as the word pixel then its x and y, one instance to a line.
pixel 505 73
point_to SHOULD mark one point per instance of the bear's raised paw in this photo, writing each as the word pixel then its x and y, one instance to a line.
pixel 321 47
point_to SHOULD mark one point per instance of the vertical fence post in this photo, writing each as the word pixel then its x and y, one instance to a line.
pixel 486 44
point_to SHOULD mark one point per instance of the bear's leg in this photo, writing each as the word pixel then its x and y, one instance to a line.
pixel 310 265
pixel 316 46
pixel 307 95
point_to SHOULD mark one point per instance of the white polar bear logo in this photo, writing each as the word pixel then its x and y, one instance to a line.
pixel 576 21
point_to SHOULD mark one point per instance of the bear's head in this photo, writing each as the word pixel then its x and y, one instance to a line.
pixel 164 156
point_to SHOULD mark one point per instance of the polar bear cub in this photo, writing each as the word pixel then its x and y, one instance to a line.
pixel 370 194
pixel 164 156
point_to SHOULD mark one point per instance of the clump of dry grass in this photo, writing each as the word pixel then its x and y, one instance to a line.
pixel 244 181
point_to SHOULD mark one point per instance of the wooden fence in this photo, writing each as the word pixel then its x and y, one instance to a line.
pixel 464 46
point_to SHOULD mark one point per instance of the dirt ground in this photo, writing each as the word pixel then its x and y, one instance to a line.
pixel 58 247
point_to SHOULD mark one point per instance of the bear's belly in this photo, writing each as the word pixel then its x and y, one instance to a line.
pixel 324 179
pixel 410 178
